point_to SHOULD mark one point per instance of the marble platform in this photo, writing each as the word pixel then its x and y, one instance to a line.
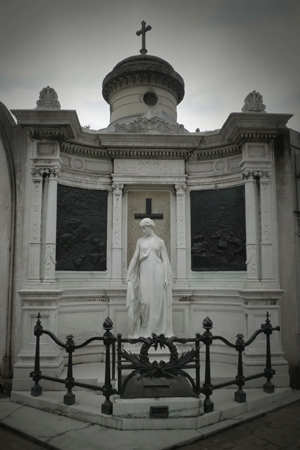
pixel 135 414
pixel 88 409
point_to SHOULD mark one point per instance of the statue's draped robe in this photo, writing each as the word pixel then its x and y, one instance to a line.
pixel 148 302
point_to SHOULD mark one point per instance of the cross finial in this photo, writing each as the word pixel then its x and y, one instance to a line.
pixel 142 32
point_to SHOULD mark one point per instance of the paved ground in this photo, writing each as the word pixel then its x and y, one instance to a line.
pixel 277 430
pixel 11 441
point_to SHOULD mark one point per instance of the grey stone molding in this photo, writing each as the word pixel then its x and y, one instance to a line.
pixel 87 152
pixel 82 299
pixel 123 153
pixel 99 153
pixel 254 103
pixel 148 154
pixel 48 99
pixel 143 69
pixel 253 127
pixel 223 152
pixel 56 134
pixel 49 123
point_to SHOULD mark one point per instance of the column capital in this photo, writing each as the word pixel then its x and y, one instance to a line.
pixel 249 175
pixel 117 188
pixel 257 175
pixel 264 175
pixel 180 188
pixel 39 173
pixel 52 172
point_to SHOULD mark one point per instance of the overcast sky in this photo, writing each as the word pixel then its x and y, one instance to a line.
pixel 223 49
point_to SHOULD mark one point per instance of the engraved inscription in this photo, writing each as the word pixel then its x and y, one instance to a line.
pixel 148 167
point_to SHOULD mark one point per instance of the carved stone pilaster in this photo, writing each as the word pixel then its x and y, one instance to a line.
pixel 35 225
pixel 49 261
pixel 180 231
pixel 266 225
pixel 117 189
pixel 252 261
pixel 51 177
pixel 252 224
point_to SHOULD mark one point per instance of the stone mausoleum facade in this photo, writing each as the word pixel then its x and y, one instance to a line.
pixel 226 203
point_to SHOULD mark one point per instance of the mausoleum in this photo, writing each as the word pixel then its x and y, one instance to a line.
pixel 225 202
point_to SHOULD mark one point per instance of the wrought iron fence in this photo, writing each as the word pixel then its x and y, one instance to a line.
pixel 140 365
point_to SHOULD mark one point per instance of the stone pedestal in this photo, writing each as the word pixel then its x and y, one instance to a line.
pixel 44 302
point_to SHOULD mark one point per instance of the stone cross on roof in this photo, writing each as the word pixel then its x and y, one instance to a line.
pixel 142 32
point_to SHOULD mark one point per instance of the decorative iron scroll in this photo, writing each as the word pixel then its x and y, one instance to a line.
pixel 218 230
pixel 81 229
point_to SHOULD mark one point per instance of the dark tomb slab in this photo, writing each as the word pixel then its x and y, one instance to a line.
pixel 147 387
pixel 81 229
pixel 218 230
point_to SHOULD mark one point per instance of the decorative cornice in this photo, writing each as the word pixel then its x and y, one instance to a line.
pixel 253 127
pixel 122 153
pixel 80 150
pixel 256 137
pixel 74 299
pixel 50 123
pixel 216 153
pixel 148 154
pixel 54 134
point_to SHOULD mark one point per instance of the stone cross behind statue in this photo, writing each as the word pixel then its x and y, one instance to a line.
pixel 142 32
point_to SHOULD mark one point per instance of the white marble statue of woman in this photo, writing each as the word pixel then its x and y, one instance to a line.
pixel 149 292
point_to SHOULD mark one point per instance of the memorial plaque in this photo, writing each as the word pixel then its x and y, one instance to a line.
pixel 218 230
pixel 81 229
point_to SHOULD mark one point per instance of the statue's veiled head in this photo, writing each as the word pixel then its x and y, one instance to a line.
pixel 147 223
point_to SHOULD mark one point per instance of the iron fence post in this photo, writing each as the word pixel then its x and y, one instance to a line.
pixel 113 361
pixel 119 367
pixel 69 397
pixel 36 390
pixel 108 338
pixel 268 372
pixel 197 358
pixel 207 386
pixel 240 394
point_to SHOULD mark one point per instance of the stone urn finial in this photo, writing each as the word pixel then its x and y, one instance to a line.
pixel 48 99
pixel 253 103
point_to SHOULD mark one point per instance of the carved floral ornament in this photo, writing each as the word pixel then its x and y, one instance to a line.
pixel 256 174
pixel 180 188
pixel 48 99
pixel 117 188
pixel 150 125
pixel 40 172
pixel 253 103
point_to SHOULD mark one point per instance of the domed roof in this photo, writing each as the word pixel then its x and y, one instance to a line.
pixel 143 69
